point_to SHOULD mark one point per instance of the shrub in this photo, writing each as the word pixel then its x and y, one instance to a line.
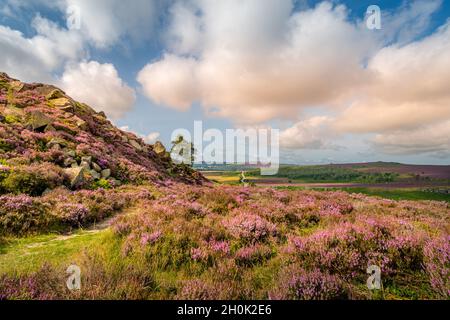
pixel 349 248
pixel 249 227
pixel 437 265
pixel 252 255
pixel 33 180
pixel 101 184
pixel 44 284
pixel 299 284
pixel 197 290
pixel 72 214
pixel 23 214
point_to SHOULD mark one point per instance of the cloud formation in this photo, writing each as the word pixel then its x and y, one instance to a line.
pixel 241 64
pixel 100 86
pixel 106 22
pixel 35 58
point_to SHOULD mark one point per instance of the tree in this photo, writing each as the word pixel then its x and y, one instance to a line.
pixel 182 151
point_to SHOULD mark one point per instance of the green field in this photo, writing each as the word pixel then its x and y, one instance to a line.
pixel 393 194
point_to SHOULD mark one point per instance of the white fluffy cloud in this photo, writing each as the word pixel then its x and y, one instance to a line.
pixel 35 58
pixel 239 64
pixel 427 139
pixel 170 82
pixel 312 133
pixel 100 86
pixel 105 22
pixel 255 61
pixel 409 88
pixel 150 138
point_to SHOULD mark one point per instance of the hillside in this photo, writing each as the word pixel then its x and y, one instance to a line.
pixel 47 140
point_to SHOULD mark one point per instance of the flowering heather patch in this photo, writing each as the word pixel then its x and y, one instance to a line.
pixel 253 254
pixel 147 239
pixel 298 284
pixel 221 247
pixel 259 243
pixel 250 227
pixel 437 264
pixel 72 214
pixel 198 290
pixel 21 214
pixel 45 284
pixel 348 248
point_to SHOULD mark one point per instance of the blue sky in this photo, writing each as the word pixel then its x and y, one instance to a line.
pixel 337 91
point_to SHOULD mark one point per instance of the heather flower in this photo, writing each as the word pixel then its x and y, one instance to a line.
pixel 253 254
pixel 437 265
pixel 22 214
pixel 198 290
pixel 198 254
pixel 299 284
pixel 249 227
pixel 147 239
pixel 73 214
pixel 222 247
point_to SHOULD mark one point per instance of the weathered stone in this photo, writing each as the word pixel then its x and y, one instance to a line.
pixel 159 149
pixel 39 120
pixel 54 142
pixel 115 182
pixel 49 128
pixel 71 153
pixel 76 176
pixel 68 162
pixel 85 165
pixel 106 173
pixel 124 139
pixel 16 85
pixel 87 159
pixel 96 167
pixel 68 109
pixel 56 147
pixel 136 145
pixel 74 165
pixel 81 123
pixel 102 114
pixel 55 94
pixel 95 174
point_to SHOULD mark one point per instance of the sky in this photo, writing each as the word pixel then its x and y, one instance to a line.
pixel 337 90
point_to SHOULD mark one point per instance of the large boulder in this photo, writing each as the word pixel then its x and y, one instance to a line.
pixel 159 149
pixel 80 123
pixel 76 176
pixel 136 145
pixel 55 94
pixel 96 167
pixel 64 104
pixel 38 120
pixel 106 173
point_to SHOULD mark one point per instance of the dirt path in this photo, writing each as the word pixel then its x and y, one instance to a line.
pixel 94 228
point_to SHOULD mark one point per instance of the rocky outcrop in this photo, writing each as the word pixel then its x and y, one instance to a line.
pixel 75 175
pixel 38 120
pixel 159 149
pixel 41 123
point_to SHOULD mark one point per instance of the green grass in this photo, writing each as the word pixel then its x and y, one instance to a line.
pixel 393 194
pixel 398 194
pixel 24 255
